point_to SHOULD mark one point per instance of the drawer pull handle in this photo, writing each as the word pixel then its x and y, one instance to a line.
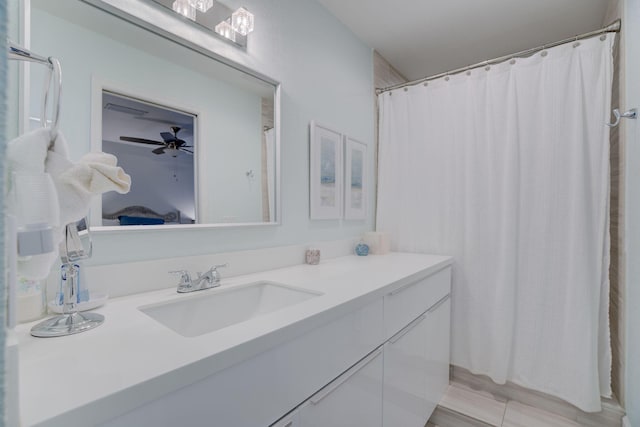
pixel 402 288
pixel 394 339
pixel 408 285
pixel 331 387
pixel 441 301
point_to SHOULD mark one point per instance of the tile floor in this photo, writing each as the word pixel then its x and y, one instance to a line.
pixel 482 409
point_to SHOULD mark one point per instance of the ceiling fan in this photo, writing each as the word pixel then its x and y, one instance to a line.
pixel 170 142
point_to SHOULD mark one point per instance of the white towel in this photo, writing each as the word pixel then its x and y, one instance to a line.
pixel 95 173
pixel 27 153
pixel 75 183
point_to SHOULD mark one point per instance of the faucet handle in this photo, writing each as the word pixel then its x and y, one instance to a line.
pixel 184 275
pixel 215 273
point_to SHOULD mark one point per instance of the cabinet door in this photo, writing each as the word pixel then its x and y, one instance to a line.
pixel 416 368
pixel 438 344
pixel 354 399
pixel 405 376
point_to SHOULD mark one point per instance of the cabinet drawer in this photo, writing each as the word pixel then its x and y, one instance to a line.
pixel 352 400
pixel 404 304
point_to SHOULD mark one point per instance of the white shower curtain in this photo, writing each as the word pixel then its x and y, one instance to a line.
pixel 507 169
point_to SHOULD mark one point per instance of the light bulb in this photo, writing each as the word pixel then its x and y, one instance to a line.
pixel 242 21
pixel 184 8
pixel 201 5
pixel 225 30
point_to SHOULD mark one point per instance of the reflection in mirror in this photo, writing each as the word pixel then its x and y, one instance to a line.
pixel 155 145
pixel 226 115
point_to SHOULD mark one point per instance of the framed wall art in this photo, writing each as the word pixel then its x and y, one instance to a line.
pixel 325 172
pixel 355 182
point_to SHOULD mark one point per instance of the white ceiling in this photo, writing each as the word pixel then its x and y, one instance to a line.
pixel 425 37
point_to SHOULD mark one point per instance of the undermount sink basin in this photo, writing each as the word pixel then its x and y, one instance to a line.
pixel 210 310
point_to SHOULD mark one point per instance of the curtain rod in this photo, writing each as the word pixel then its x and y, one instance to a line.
pixel 614 27
pixel 15 51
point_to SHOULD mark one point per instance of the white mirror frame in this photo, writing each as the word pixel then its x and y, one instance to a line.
pixel 154 20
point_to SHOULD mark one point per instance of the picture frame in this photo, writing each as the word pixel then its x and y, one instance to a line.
pixel 355 179
pixel 325 172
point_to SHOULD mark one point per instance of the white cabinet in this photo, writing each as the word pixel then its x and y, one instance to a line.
pixel 405 376
pixel 260 390
pixel 382 364
pixel 408 301
pixel 416 358
pixel 438 332
pixel 354 399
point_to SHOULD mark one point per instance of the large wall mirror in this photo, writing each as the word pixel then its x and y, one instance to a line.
pixel 199 137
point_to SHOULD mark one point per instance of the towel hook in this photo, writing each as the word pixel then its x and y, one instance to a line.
pixel 630 114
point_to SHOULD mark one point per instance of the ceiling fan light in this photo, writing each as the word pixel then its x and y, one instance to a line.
pixel 202 5
pixel 242 21
pixel 184 8
pixel 225 30
pixel 173 152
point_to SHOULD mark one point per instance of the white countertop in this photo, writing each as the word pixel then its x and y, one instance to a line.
pixel 132 359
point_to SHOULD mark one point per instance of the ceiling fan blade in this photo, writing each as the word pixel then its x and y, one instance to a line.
pixel 140 140
pixel 158 150
pixel 180 142
pixel 185 150
pixel 168 137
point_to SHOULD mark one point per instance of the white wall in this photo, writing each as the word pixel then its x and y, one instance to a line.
pixel 326 75
pixel 631 29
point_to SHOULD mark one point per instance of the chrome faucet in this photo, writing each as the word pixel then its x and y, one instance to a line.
pixel 208 280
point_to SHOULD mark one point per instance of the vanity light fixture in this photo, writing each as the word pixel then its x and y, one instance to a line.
pixel 226 30
pixel 242 21
pixel 202 5
pixel 184 8
pixel 228 24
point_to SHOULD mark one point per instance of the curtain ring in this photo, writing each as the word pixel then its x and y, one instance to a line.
pixel 576 43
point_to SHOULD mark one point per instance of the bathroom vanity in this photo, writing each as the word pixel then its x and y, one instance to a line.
pixel 352 341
